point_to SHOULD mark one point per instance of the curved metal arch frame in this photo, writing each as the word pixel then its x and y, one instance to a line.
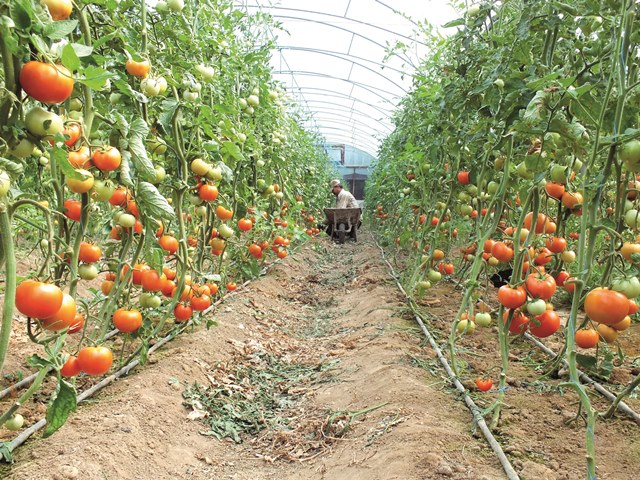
pixel 350 55
pixel 333 108
pixel 355 121
pixel 323 52
pixel 332 93
pixel 332 121
pixel 369 148
pixel 354 135
pixel 354 20
pixel 334 77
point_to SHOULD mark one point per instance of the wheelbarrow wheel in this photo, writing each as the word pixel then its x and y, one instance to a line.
pixel 354 233
pixel 341 233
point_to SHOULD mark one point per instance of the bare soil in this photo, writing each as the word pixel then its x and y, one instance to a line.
pixel 353 392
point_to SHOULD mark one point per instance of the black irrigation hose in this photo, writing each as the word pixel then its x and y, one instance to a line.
pixel 24 435
pixel 475 411
pixel 584 378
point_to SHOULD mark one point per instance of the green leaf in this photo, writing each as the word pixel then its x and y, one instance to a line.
pixel 125 88
pixel 64 402
pixel 232 150
pixel 454 23
pixel 104 39
pixel 70 58
pixel 125 171
pixel 5 452
pixel 82 50
pixel 40 45
pixel 586 361
pixel 138 131
pixel 13 168
pixel 144 352
pixel 152 203
pixel 59 29
pixel 37 361
pixel 95 77
pixel 20 15
pixel 169 107
pixel 61 157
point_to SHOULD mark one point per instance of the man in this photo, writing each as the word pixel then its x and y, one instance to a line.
pixel 344 199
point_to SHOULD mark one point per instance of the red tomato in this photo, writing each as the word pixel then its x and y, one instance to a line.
pixel 245 225
pixel 168 243
pixel 151 280
pixel 587 338
pixel 95 360
pixel 71 367
pixel 63 318
pixel 73 131
pixel 89 253
pixel 208 193
pixel 127 321
pixel 78 323
pixel 223 214
pixel 74 209
pixel 541 286
pixel 519 322
pixel 201 303
pixel 231 286
pixel 463 177
pixel 45 82
pixel 484 384
pixel 182 312
pixel 606 306
pixel 545 324
pixel 512 297
pixel 38 300
pixel 106 159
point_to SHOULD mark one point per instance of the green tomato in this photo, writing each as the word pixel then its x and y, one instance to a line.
pixel 473 11
pixel 253 100
pixel 162 6
pixel 465 326
pixel 75 104
pixel 424 284
pixel 215 174
pixel 568 256
pixel 175 5
pixel 102 190
pixel 14 423
pixel 41 123
pixel 630 286
pixel 630 154
pixel 524 172
pixel 483 319
pixel 149 300
pixel 87 271
pixel 115 98
pixel 225 231
pixel 536 307
pixel 161 174
pixel 126 220
pixel 206 72
pixel 200 167
pixel 5 184
pixel 195 200
pixel 22 149
pixel 260 163
pixel 434 275
pixel 498 82
pixel 559 173
pixel 632 218
pixel 201 211
pixel 150 87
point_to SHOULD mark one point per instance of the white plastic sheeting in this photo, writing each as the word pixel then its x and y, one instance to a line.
pixel 331 59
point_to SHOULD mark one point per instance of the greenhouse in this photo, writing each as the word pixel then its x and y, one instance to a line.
pixel 338 240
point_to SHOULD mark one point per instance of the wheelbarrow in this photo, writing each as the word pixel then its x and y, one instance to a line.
pixel 343 221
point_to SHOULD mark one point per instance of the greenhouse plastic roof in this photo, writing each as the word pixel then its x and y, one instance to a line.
pixel 331 58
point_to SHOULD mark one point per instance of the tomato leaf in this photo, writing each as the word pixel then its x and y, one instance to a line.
pixel 5 452
pixel 144 352
pixel 60 29
pixel 95 77
pixel 61 157
pixel 125 88
pixel 20 15
pixel 232 150
pixel 13 168
pixel 125 173
pixel 37 361
pixel 152 202
pixel 454 23
pixel 64 402
pixel 138 131
pixel 70 58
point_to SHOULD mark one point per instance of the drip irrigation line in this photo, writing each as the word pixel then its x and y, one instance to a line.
pixel 39 425
pixel 587 380
pixel 25 382
pixel 475 411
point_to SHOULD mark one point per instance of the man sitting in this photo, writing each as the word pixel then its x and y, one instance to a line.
pixel 344 199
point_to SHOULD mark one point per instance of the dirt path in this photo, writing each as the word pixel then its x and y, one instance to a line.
pixel 319 338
